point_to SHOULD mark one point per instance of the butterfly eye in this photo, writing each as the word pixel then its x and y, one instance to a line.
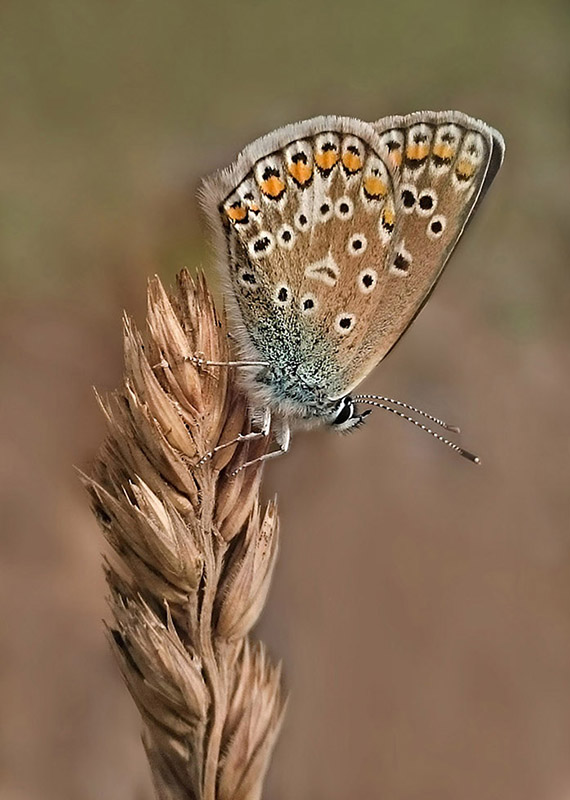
pixel 367 280
pixel 436 227
pixel 344 323
pixel 283 295
pixel 345 412
pixel 308 304
pixel 357 244
pixel 427 202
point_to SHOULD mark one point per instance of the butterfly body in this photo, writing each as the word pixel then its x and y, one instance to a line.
pixel 332 234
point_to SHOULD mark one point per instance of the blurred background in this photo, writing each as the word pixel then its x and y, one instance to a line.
pixel 421 606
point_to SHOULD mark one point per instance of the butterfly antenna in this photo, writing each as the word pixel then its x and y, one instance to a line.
pixel 364 398
pixel 465 453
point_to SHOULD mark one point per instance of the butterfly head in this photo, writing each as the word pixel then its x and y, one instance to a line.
pixel 345 417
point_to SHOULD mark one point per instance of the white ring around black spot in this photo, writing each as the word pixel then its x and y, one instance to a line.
pixel 357 244
pixel 367 280
pixel 247 279
pixel 344 323
pixel 427 203
pixel 325 210
pixel 262 245
pixel 308 304
pixel 286 237
pixel 344 208
pixel 302 221
pixel 436 227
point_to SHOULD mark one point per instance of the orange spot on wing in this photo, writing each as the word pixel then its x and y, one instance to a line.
pixel 273 187
pixel 301 172
pixel 237 213
pixel 375 187
pixel 388 217
pixel 352 162
pixel 443 151
pixel 415 152
pixel 465 170
pixel 326 160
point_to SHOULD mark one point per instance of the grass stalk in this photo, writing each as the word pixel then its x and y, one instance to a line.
pixel 192 554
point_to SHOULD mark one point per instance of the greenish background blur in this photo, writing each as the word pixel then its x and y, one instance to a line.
pixel 421 606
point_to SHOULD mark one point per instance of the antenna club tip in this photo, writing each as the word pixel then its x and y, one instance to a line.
pixel 453 428
pixel 471 457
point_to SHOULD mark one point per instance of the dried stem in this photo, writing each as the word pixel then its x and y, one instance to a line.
pixel 194 554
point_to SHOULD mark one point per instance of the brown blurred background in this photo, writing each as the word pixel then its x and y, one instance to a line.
pixel 421 606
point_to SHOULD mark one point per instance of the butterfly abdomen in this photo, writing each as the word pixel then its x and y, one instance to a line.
pixel 303 369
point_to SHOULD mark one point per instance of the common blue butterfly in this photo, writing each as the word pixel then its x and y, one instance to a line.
pixel 331 235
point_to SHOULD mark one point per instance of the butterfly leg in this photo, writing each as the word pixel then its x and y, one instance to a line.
pixel 282 439
pixel 200 361
pixel 241 437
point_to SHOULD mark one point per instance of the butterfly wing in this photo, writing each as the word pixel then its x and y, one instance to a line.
pixel 334 232
pixel 305 220
pixel 445 163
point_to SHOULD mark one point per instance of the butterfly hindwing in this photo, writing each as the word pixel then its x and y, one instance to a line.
pixel 309 215
pixel 444 163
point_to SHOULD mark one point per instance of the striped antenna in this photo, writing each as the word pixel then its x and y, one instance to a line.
pixel 462 452
pixel 363 398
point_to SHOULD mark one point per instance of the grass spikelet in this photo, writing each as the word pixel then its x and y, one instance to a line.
pixel 193 554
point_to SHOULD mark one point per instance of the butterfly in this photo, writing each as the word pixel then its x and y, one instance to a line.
pixel 331 235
